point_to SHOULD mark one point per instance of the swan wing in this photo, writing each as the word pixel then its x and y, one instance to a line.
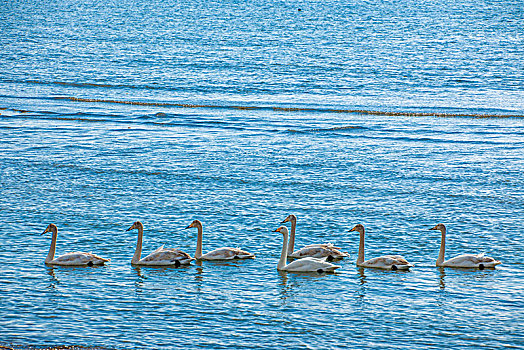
pixel 387 262
pixel 310 265
pixel 471 260
pixel 311 252
pixel 324 245
pixel 336 253
pixel 317 251
pixel 227 253
pixel 400 260
pixel 159 249
pixel 79 259
pixel 168 256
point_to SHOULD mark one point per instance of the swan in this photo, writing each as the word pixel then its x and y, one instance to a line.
pixel 388 262
pixel 224 253
pixel 307 264
pixel 465 260
pixel 313 250
pixel 70 259
pixel 160 257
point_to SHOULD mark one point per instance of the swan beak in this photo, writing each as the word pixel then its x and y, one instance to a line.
pixel 191 225
pixel 285 220
pixel 277 230
pixel 353 229
pixel 46 231
pixel 434 228
pixel 129 229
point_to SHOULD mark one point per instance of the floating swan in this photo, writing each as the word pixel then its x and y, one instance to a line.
pixel 70 259
pixel 465 260
pixel 160 257
pixel 389 262
pixel 313 250
pixel 225 253
pixel 307 264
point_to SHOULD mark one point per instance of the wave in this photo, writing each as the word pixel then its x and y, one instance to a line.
pixel 371 112
pixel 320 130
pixel 84 85
pixel 291 109
pixel 157 119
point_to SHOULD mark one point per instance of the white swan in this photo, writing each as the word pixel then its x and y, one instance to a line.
pixel 388 262
pixel 160 257
pixel 313 250
pixel 70 259
pixel 224 253
pixel 301 265
pixel 465 260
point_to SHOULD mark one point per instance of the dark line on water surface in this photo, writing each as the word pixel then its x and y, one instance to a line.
pixel 291 109
pixel 55 347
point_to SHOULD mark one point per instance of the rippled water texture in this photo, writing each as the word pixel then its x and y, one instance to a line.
pixel 396 115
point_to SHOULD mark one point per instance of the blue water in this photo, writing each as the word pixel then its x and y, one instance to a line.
pixel 396 115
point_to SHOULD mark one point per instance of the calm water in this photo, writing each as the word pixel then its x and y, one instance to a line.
pixel 237 113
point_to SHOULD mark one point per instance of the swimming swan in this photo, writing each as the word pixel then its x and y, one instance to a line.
pixel 465 260
pixel 70 259
pixel 307 264
pixel 160 257
pixel 388 262
pixel 313 250
pixel 225 253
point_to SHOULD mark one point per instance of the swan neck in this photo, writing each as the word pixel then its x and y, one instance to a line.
pixel 291 243
pixel 283 255
pixel 360 258
pixel 198 253
pixel 52 248
pixel 442 251
pixel 138 250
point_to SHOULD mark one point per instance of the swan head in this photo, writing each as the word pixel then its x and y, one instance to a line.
pixel 282 229
pixel 137 225
pixel 290 218
pixel 50 228
pixel 440 227
pixel 195 223
pixel 359 228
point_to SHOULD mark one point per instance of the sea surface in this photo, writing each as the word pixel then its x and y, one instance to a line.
pixel 395 114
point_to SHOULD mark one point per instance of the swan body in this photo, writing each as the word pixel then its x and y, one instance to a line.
pixel 307 264
pixel 161 256
pixel 318 251
pixel 225 253
pixel 388 262
pixel 311 250
pixel 323 245
pixel 479 261
pixel 70 259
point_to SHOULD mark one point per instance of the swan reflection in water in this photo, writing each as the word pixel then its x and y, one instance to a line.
pixel 139 283
pixel 144 272
pixel 199 276
pixel 55 270
pixel 290 283
pixel 475 272
pixel 442 275
pixel 53 281
pixel 362 276
pixel 362 281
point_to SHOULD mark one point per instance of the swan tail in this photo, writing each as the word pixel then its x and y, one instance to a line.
pixel 245 256
pixel 332 268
